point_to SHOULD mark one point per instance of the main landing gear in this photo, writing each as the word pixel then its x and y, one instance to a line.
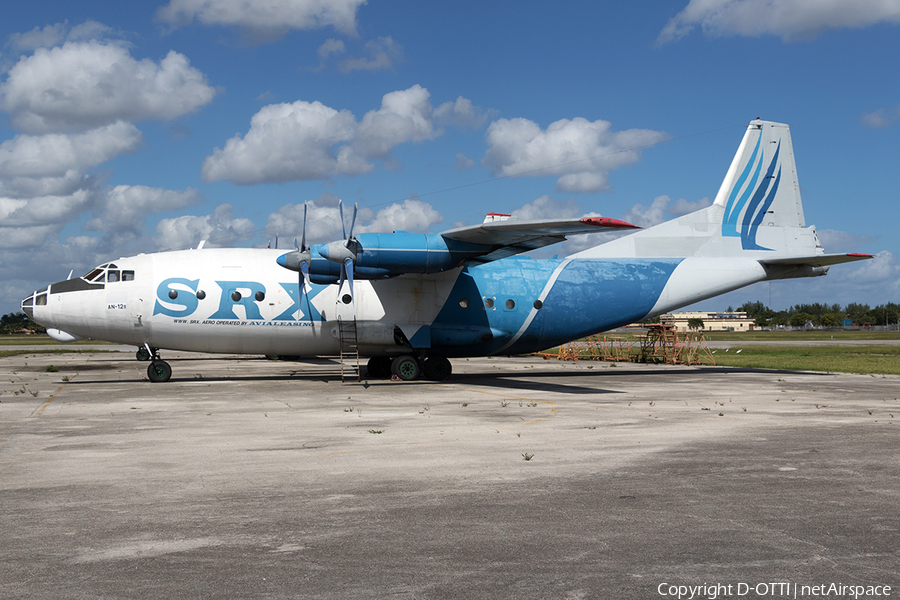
pixel 408 367
pixel 158 370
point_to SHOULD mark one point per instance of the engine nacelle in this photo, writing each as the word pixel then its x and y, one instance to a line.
pixel 374 254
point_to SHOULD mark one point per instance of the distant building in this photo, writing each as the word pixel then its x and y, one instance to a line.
pixel 712 321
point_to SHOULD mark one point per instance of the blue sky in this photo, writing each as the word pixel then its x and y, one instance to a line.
pixel 136 127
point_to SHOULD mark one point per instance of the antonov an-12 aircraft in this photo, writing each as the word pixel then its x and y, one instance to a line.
pixel 410 302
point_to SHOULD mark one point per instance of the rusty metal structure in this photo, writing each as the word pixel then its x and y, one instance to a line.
pixel 661 343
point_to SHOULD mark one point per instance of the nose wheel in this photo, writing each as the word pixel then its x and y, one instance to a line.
pixel 159 371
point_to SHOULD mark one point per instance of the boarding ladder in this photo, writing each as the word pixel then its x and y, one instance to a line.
pixel 349 346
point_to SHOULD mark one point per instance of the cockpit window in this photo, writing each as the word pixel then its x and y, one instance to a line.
pixel 41 300
pixel 95 273
pixel 109 273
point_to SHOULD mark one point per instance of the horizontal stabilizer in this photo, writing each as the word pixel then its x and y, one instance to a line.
pixel 820 260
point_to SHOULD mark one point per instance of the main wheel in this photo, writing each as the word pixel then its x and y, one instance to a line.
pixel 405 367
pixel 379 367
pixel 437 368
pixel 159 371
pixel 142 355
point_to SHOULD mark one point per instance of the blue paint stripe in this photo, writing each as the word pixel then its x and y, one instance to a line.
pixel 729 225
pixel 748 240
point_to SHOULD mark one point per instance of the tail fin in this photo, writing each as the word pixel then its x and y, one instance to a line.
pixel 761 188
pixel 757 214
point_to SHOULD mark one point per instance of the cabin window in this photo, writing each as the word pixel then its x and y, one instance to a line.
pixel 464 302
pixel 489 302
pixel 201 294
pixel 173 294
pixel 510 304
pixel 538 304
pixel 260 296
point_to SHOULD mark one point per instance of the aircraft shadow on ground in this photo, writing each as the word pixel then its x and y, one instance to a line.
pixel 565 382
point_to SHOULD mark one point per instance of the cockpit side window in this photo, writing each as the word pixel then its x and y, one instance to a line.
pixel 112 276
pixel 127 275
pixel 94 274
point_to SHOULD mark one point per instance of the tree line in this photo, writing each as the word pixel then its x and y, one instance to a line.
pixel 825 315
pixel 17 321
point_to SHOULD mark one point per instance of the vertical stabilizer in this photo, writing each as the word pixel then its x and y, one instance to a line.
pixel 761 188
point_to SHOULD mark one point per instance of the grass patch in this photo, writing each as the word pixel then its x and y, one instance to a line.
pixel 5 353
pixel 811 335
pixel 836 359
pixel 39 339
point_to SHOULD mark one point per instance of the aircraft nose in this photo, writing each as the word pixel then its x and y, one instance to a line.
pixel 37 298
pixel 28 306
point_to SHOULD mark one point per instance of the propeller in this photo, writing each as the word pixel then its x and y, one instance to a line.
pixel 345 252
pixel 298 259
pixel 304 254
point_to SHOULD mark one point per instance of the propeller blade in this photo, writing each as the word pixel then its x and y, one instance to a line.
pixel 352 224
pixel 304 275
pixel 303 235
pixel 341 212
pixel 348 266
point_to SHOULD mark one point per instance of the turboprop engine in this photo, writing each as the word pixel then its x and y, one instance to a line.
pixel 376 255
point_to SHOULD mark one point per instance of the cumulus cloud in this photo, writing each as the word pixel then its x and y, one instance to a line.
pixel 880 118
pixel 324 222
pixel 842 241
pixel 289 142
pixel 404 116
pixel 308 140
pixel 264 20
pixel 662 209
pixel 221 228
pixel 381 55
pixel 124 209
pixel 545 207
pixel 581 152
pixel 412 215
pixel 55 154
pixel 683 207
pixel 880 275
pixel 45 210
pixel 791 20
pixel 85 85
pixel 462 114
pixel 462 163
pixel 52 35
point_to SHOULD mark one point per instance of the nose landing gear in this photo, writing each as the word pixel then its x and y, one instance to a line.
pixel 158 370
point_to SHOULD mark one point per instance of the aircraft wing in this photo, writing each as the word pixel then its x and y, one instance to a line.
pixel 509 237
pixel 820 260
